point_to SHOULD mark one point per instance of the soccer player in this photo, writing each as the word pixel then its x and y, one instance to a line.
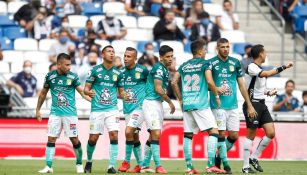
pixel 134 82
pixel 227 72
pixel 195 79
pixel 256 83
pixel 102 85
pixel 157 82
pixel 63 115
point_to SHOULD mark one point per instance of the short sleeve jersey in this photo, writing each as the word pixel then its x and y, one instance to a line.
pixel 62 89
pixel 134 82
pixel 194 84
pixel 105 83
pixel 225 74
pixel 158 72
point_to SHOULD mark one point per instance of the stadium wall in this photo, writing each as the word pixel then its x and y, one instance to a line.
pixel 26 138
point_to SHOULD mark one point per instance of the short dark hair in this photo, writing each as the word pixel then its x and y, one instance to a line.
pixel 197 45
pixel 149 43
pixel 108 46
pixel 256 50
pixel 203 15
pixel 227 1
pixel 290 81
pixel 222 41
pixel 304 93
pixel 89 20
pixel 132 49
pixel 165 49
pixel 63 56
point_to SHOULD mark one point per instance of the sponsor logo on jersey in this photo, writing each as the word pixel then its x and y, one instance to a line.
pixel 71 76
pixel 105 96
pixel 132 96
pixel 128 78
pixel 53 81
pixel 137 75
pixel 106 77
pixel 217 67
pixel 115 77
pixel 62 100
pixel 68 82
pixel 224 70
pixel 226 85
pixel 60 82
pixel 52 76
pixel 231 68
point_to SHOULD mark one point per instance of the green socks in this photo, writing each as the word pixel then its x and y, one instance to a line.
pixel 138 153
pixel 90 150
pixel 113 153
pixel 50 152
pixel 147 154
pixel 78 152
pixel 129 147
pixel 211 148
pixel 187 149
pixel 221 145
pixel 155 148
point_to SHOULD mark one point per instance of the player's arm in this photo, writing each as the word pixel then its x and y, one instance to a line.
pixel 250 109
pixel 122 94
pixel 159 90
pixel 212 87
pixel 273 72
pixel 80 90
pixel 40 101
pixel 88 90
pixel 175 86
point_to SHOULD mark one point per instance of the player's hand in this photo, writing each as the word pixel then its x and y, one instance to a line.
pixel 172 106
pixel 92 93
pixel 38 116
pixel 218 102
pixel 290 64
pixel 126 96
pixel 221 90
pixel 251 112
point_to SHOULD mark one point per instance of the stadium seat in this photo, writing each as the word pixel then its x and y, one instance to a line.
pixel 14 32
pixel 90 8
pixel 30 102
pixel 176 45
pixel 14 6
pixel 209 56
pixel 237 56
pixel 6 44
pixel 213 9
pixel 128 21
pixel 154 9
pixel 16 67
pixel 6 20
pixel 182 57
pixel 26 44
pixel 121 45
pixel 180 22
pixel 305 26
pixel 141 46
pixel 45 44
pixel 13 56
pixel 3 7
pixel 235 36
pixel 42 68
pixel 147 22
pixel 139 35
pixel 36 56
pixel 102 43
pixel 207 1
pixel 211 47
pixel 95 19
pixel 117 8
pixel 276 82
pixel 77 21
pixel 239 48
pixel 4 67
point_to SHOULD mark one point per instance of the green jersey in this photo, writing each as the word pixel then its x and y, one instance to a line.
pixel 225 74
pixel 134 81
pixel 158 72
pixel 194 84
pixel 105 83
pixel 62 89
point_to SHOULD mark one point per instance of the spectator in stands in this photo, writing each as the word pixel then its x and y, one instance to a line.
pixel 228 19
pixel 205 29
pixel 167 29
pixel 165 6
pixel 52 67
pixel 111 28
pixel 72 7
pixel 42 26
pixel 136 8
pixel 117 62
pixel 83 33
pixel 92 58
pixel 247 58
pixel 26 14
pixel 61 46
pixel 50 6
pixel 148 58
pixel 178 8
pixel 304 105
pixel 56 21
pixel 287 102
pixel 65 26
pixel 193 13
pixel 85 47
pixel 24 82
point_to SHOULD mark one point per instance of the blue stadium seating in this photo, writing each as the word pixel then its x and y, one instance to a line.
pixel 154 9
pixel 187 47
pixel 299 15
pixel 239 48
pixel 6 21
pixel 14 32
pixel 6 44
pixel 207 1
pixel 141 46
pixel 1 32
pixel 90 9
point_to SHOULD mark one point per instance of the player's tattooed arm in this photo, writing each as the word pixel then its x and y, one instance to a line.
pixel 159 90
pixel 40 101
pixel 88 90
pixel 212 87
pixel 80 90
pixel 175 86
pixel 250 109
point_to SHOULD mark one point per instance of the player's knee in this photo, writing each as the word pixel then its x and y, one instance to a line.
pixel 129 136
pixel 74 140
pixel 52 139
pixel 222 134
pixel 213 131
pixel 113 135
pixel 233 135
pixel 271 135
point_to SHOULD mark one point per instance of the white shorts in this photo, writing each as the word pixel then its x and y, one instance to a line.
pixel 57 123
pixel 227 119
pixel 198 119
pixel 109 119
pixel 153 114
pixel 135 119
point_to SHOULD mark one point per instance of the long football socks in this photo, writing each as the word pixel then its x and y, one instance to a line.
pixel 221 145
pixel 78 152
pixel 113 151
pixel 147 154
pixel 187 149
pixel 50 152
pixel 90 148
pixel 137 150
pixel 155 148
pixel 211 148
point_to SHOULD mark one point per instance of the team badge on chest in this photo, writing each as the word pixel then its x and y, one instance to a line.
pixel 68 82
pixel 231 68
pixel 114 77
pixel 137 75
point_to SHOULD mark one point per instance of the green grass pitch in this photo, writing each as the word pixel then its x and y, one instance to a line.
pixel 67 167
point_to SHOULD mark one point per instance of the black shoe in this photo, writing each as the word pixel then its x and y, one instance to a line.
pixel 228 170
pixel 248 170
pixel 255 164
pixel 218 161
pixel 111 171
pixel 88 167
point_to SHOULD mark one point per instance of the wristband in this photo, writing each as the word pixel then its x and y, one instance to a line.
pixel 281 68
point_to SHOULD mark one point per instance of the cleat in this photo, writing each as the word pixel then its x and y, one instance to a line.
pixel 228 170
pixel 124 167
pixel 79 168
pixel 88 167
pixel 147 169
pixel 191 171
pixel 47 169
pixel 255 164
pixel 218 161
pixel 160 170
pixel 111 171
pixel 248 170
pixel 214 169
pixel 136 169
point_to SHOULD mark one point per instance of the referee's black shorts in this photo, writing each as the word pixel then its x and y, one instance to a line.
pixel 263 117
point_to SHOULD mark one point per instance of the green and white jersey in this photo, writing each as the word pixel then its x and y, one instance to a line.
pixel 158 72
pixel 194 84
pixel 105 83
pixel 62 88
pixel 225 74
pixel 134 82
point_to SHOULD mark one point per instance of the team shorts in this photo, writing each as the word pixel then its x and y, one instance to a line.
pixel 198 119
pixel 263 117
pixel 57 123
pixel 227 119
pixel 135 119
pixel 153 114
pixel 99 120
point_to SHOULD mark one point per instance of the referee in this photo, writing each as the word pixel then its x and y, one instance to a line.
pixel 256 83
